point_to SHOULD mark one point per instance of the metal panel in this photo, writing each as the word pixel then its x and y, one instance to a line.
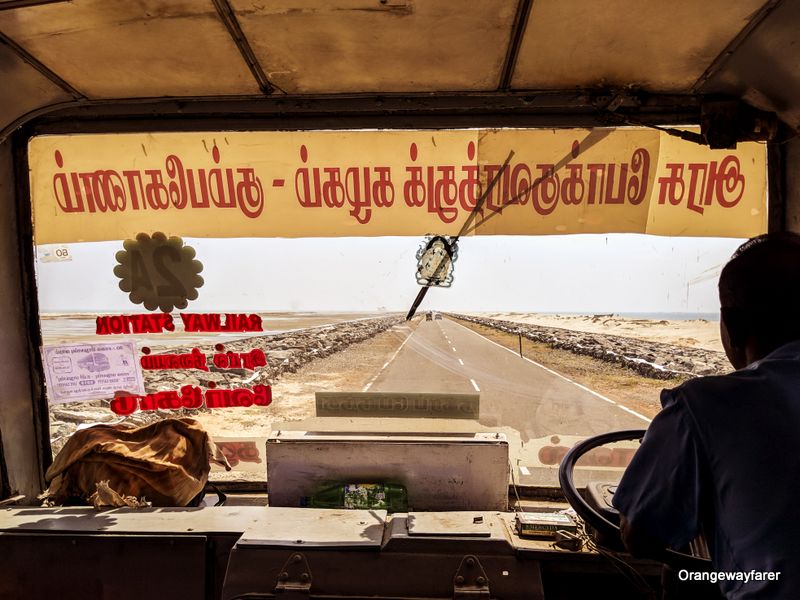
pixel 18 411
pixel 456 523
pixel 765 68
pixel 451 537
pixel 85 567
pixel 312 527
pixel 24 88
pixel 426 569
pixel 440 471
pixel 118 49
pixel 378 45
pixel 663 46
pixel 211 520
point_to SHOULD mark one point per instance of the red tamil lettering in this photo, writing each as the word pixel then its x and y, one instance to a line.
pixel 220 360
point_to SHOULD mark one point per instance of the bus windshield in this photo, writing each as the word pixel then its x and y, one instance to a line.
pixel 153 306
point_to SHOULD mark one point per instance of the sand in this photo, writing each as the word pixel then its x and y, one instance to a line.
pixel 695 333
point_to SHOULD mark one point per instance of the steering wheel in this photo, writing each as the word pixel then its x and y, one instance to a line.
pixel 592 517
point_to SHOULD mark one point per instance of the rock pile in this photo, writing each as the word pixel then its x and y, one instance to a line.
pixel 651 359
pixel 286 353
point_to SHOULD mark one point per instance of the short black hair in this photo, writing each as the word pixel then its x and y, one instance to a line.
pixel 761 284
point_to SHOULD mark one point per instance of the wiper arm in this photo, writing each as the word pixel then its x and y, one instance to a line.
pixel 590 140
pixel 464 228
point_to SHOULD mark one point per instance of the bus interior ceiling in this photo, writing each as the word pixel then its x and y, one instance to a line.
pixel 82 66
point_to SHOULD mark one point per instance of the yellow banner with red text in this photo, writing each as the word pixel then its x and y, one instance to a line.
pixel 92 187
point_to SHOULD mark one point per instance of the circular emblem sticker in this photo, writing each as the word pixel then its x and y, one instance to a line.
pixel 158 272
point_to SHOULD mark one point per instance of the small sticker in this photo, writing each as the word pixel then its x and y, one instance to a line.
pixel 91 371
pixel 52 253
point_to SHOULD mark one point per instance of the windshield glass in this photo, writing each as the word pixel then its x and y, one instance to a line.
pixel 545 339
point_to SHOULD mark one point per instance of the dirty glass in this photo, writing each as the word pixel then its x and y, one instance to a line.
pixel 547 340
pixel 543 339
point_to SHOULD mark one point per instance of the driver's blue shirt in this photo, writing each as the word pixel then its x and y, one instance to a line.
pixel 723 458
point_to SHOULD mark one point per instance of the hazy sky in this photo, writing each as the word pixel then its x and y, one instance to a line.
pixel 575 273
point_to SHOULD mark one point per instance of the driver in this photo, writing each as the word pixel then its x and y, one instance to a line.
pixel 722 458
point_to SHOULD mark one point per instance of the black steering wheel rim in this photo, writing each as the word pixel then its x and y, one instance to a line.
pixel 566 480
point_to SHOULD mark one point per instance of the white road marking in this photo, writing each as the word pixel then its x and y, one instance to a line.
pixel 461 361
pixel 386 364
pixel 633 412
pixel 454 348
pixel 524 470
pixel 583 387
pixel 475 385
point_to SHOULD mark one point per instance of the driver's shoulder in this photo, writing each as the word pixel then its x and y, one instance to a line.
pixel 708 390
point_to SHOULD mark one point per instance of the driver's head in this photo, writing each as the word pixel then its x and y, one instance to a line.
pixel 759 291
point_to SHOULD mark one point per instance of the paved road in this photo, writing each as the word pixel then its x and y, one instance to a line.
pixel 445 356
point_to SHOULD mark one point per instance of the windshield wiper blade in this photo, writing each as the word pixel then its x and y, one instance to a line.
pixel 417 301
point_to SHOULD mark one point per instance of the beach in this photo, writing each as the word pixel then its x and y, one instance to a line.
pixel 692 333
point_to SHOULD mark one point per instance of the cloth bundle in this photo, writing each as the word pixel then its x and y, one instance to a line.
pixel 162 464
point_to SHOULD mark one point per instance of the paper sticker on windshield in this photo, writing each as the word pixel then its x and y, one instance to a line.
pixel 53 253
pixel 91 371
